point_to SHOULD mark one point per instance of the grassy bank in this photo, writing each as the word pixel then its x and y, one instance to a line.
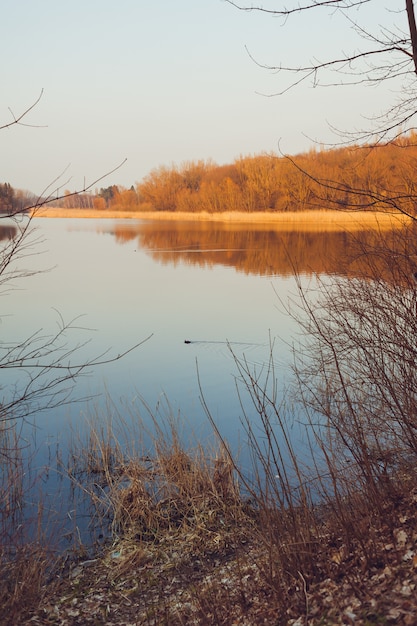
pixel 329 219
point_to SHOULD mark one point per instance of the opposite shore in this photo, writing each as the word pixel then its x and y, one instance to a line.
pixel 328 219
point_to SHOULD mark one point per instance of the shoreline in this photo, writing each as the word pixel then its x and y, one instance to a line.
pixel 314 219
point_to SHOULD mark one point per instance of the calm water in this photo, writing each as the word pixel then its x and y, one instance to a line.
pixel 123 288
pixel 124 281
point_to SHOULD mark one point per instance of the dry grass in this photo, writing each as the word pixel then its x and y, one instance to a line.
pixel 308 220
pixel 25 582
pixel 168 489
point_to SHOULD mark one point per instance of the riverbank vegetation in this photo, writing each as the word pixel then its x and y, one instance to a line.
pixel 378 177
pixel 314 220
pixel 353 177
pixel 374 177
pixel 349 178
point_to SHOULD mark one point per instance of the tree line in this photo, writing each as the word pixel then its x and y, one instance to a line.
pixel 371 177
pixel 13 200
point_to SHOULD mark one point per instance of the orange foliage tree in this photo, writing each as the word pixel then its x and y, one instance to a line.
pixel 353 177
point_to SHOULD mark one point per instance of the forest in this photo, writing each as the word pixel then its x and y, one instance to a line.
pixel 377 176
pixel 373 177
pixel 14 200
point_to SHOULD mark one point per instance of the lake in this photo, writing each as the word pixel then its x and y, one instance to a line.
pixel 201 292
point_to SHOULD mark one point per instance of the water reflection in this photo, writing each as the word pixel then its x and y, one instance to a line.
pixel 7 231
pixel 257 249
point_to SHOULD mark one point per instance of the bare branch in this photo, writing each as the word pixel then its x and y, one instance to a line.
pixel 17 120
pixel 387 54
pixel 333 4
pixel 53 197
pixel 46 372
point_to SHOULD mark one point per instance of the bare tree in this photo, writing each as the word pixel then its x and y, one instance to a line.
pixel 388 53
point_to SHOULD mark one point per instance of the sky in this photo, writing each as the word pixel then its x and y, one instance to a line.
pixel 164 82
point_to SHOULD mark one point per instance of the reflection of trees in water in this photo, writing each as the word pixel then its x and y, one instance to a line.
pixel 263 250
pixel 7 232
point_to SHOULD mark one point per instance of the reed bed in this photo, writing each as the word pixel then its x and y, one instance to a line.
pixel 306 220
pixel 164 487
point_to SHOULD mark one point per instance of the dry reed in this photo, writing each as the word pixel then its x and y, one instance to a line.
pixel 304 220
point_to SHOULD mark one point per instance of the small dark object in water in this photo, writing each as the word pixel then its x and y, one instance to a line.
pixel 187 341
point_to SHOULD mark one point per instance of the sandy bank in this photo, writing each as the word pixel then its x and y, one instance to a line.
pixel 314 219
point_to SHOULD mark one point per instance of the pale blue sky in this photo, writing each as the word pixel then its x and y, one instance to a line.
pixel 162 82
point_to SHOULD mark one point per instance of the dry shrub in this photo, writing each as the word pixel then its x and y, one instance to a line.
pixel 178 492
pixel 24 581
pixel 355 382
pixel 165 490
pixel 285 527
